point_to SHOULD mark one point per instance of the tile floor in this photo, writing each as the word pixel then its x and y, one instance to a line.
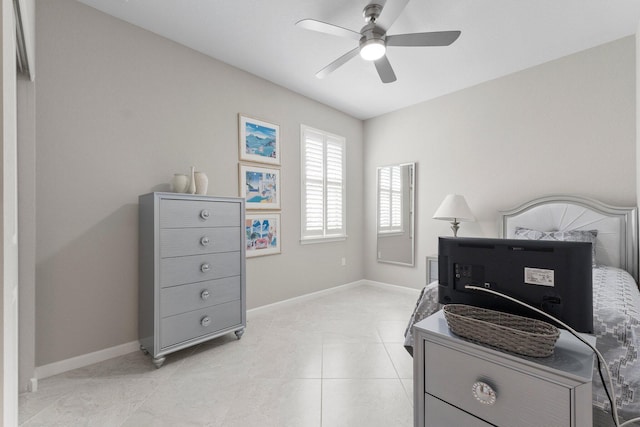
pixel 335 360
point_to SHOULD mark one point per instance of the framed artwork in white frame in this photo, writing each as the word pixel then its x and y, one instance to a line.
pixel 259 141
pixel 260 187
pixel 262 234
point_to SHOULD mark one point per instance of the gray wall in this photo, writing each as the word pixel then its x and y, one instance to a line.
pixel 118 111
pixel 567 126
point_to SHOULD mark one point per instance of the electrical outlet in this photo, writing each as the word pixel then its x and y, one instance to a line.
pixel 344 261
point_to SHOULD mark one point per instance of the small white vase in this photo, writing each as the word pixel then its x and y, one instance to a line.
pixel 202 182
pixel 192 183
pixel 179 183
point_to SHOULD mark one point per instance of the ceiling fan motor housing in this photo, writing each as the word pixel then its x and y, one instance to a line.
pixel 371 32
pixel 372 42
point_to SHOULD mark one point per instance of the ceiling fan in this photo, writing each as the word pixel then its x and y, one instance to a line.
pixel 373 39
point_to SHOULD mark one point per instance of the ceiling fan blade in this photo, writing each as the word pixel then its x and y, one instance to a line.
pixel 390 12
pixel 323 27
pixel 436 38
pixel 385 71
pixel 337 63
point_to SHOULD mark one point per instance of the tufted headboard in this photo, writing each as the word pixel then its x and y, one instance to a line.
pixel 617 241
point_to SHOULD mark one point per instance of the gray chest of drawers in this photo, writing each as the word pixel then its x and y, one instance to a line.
pixel 459 383
pixel 191 271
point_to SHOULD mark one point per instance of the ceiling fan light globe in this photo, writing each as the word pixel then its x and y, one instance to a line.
pixel 372 49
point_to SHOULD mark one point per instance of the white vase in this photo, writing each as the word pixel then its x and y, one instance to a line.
pixel 179 183
pixel 202 182
pixel 192 183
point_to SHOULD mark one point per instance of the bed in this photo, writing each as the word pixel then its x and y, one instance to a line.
pixel 616 302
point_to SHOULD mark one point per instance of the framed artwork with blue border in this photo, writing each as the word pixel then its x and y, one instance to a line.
pixel 262 232
pixel 260 187
pixel 259 141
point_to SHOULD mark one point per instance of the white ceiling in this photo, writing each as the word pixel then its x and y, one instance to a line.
pixel 498 37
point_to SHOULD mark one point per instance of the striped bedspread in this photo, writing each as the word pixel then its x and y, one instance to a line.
pixel 616 323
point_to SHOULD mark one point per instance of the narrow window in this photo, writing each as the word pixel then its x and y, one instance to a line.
pixel 323 185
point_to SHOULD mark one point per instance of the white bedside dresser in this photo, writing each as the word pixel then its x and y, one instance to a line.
pixel 459 383
pixel 432 269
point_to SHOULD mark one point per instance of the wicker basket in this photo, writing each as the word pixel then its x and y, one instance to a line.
pixel 516 334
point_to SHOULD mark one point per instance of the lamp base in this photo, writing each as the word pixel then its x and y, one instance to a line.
pixel 455 225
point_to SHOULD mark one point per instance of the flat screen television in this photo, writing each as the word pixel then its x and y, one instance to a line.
pixel 553 276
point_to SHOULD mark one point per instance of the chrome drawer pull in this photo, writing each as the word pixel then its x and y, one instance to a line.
pixel 205 241
pixel 204 294
pixel 483 393
pixel 204 214
pixel 205 267
pixel 205 321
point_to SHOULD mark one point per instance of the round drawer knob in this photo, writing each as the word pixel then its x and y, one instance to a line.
pixel 205 321
pixel 204 294
pixel 205 241
pixel 484 393
pixel 204 214
pixel 205 267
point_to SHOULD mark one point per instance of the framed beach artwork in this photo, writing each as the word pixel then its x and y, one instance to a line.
pixel 260 187
pixel 263 234
pixel 259 141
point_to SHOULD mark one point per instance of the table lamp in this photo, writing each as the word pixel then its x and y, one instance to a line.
pixel 454 208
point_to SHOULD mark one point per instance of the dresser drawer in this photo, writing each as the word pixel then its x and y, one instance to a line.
pixel 450 375
pixel 194 324
pixel 198 213
pixel 194 296
pixel 440 414
pixel 198 268
pixel 196 241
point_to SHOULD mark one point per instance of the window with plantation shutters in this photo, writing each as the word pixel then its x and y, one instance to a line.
pixel 323 185
pixel 390 199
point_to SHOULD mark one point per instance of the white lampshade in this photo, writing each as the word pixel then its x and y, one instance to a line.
pixel 454 207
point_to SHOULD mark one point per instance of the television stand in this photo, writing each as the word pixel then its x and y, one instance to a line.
pixel 460 383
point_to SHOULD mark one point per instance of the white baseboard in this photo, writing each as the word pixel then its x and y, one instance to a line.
pixel 85 360
pixel 305 297
pixel 390 286
pixel 120 350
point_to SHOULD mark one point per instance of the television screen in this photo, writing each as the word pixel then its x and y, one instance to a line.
pixel 553 276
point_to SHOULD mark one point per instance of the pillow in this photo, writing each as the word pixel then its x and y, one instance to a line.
pixel 566 236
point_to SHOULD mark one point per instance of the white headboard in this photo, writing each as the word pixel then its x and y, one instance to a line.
pixel 617 242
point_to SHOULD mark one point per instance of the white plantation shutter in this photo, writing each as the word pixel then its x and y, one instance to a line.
pixel 323 184
pixel 334 180
pixel 389 199
pixel 314 185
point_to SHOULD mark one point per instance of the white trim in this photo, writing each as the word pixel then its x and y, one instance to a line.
pixel 392 287
pixel 305 297
pixel 313 240
pixel 62 366
pixel 76 362
pixel 318 294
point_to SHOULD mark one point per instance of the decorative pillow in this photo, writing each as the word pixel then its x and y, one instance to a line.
pixel 528 234
pixel 566 236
